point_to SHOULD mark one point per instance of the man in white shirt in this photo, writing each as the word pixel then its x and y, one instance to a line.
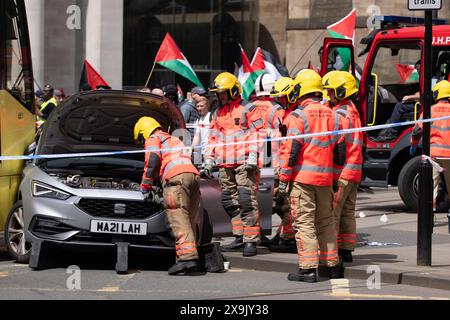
pixel 202 128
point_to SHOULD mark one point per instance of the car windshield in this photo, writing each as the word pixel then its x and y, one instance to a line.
pixel 92 162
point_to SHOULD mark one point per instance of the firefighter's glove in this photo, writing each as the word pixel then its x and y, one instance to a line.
pixel 412 151
pixel 282 190
pixel 335 186
pixel 252 162
pixel 207 169
pixel 150 196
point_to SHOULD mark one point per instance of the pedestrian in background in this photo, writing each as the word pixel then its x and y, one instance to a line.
pixel 188 109
pixel 48 105
pixel 201 135
pixel 171 93
pixel 158 92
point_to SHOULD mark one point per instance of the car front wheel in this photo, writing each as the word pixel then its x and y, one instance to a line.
pixel 18 248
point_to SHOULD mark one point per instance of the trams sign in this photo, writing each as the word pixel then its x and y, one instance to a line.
pixel 424 4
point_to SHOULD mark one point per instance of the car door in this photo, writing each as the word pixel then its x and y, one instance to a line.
pixel 337 54
pixel 212 203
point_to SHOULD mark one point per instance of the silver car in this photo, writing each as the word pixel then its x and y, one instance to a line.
pixel 95 202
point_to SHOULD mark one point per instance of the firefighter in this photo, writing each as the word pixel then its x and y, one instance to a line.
pixel 439 135
pixel 264 104
pixel 306 172
pixel 285 95
pixel 232 124
pixel 342 90
pixel 181 191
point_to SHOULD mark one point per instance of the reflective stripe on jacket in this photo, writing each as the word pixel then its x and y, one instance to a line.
pixel 440 131
pixel 44 105
pixel 352 169
pixel 309 160
pixel 161 163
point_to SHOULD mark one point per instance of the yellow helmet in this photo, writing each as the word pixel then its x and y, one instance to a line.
pixel 145 127
pixel 341 82
pixel 308 81
pixel 227 82
pixel 441 90
pixel 284 87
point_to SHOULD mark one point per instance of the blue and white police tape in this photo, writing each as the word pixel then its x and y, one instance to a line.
pixel 280 139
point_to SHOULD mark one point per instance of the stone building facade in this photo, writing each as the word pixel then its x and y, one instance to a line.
pixel 120 38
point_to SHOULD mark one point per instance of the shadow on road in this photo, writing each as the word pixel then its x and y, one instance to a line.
pixel 105 260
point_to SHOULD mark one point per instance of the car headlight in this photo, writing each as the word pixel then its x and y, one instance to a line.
pixel 42 190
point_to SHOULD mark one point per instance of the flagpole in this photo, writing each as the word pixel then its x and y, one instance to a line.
pixel 150 75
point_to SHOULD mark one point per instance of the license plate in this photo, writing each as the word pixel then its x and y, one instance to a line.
pixel 118 227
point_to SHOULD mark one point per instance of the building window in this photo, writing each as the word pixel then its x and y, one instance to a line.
pixel 207 32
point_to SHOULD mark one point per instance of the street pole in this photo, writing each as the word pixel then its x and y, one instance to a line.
pixel 425 219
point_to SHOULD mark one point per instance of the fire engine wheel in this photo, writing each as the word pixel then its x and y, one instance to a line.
pixel 408 187
pixel 18 248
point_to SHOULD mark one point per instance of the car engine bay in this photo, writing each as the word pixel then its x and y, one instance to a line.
pixel 81 182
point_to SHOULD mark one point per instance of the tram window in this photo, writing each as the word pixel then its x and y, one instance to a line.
pixel 18 74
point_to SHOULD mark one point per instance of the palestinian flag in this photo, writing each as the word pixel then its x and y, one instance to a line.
pixel 264 63
pixel 344 29
pixel 170 57
pixel 407 73
pixel 247 76
pixel 90 77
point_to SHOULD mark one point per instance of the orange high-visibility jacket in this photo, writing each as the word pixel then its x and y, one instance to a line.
pixel 352 169
pixel 234 123
pixel 309 160
pixel 440 131
pixel 275 119
pixel 164 164
pixel 261 111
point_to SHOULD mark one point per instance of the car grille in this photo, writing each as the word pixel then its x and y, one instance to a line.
pixel 115 209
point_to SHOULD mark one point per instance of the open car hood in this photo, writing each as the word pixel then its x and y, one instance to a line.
pixel 102 121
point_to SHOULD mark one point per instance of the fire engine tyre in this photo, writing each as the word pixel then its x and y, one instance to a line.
pixel 18 248
pixel 408 187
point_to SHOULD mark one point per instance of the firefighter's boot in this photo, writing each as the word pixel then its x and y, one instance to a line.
pixel 266 242
pixel 234 246
pixel 250 249
pixel 336 272
pixel 345 255
pixel 184 268
pixel 305 275
pixel 284 246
